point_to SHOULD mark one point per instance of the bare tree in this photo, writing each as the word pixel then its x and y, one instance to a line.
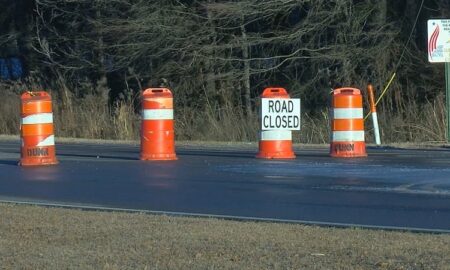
pixel 220 50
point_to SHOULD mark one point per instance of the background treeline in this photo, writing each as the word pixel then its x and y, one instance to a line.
pixel 217 56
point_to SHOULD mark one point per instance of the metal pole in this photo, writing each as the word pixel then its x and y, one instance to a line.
pixel 447 97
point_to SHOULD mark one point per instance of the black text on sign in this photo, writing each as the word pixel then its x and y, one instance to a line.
pixel 280 114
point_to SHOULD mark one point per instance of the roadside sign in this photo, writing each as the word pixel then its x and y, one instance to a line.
pixel 439 41
pixel 439 52
pixel 280 114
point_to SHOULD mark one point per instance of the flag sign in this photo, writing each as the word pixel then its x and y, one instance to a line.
pixel 438 41
pixel 280 114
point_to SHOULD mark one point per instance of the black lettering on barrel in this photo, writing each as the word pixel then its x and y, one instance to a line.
pixel 37 152
pixel 344 147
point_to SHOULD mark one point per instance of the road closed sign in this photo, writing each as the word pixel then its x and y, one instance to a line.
pixel 280 114
pixel 438 41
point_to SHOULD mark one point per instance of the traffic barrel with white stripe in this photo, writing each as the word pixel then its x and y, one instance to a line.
pixel 157 126
pixel 275 144
pixel 347 138
pixel 36 130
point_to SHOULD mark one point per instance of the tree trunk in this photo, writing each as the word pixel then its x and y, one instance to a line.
pixel 102 83
pixel 246 75
pixel 209 62
pixel 382 11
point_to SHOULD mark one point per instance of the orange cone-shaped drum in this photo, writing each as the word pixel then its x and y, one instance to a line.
pixel 347 126
pixel 275 144
pixel 36 130
pixel 157 126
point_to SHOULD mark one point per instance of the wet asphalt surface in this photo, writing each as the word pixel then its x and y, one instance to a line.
pixel 392 188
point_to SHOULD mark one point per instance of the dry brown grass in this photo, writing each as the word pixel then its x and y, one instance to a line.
pixel 10 114
pixel 91 116
pixel 415 123
pixel 93 119
pixel 51 238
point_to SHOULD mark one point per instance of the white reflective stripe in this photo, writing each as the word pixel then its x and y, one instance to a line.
pixel 39 118
pixel 157 114
pixel 376 129
pixel 348 136
pixel 276 135
pixel 49 141
pixel 348 113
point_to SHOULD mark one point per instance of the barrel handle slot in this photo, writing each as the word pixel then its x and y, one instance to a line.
pixel 347 91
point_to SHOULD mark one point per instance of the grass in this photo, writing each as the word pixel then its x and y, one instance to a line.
pixel 34 237
pixel 93 116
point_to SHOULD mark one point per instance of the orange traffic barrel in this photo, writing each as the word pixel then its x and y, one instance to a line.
pixel 275 144
pixel 347 138
pixel 157 126
pixel 36 130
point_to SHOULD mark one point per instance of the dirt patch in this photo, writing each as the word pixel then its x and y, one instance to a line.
pixel 34 237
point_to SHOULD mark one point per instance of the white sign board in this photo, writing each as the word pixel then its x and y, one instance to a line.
pixel 438 41
pixel 280 114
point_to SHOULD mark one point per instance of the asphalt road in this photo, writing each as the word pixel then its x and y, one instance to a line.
pixel 392 188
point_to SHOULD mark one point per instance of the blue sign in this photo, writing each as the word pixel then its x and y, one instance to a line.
pixel 11 68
